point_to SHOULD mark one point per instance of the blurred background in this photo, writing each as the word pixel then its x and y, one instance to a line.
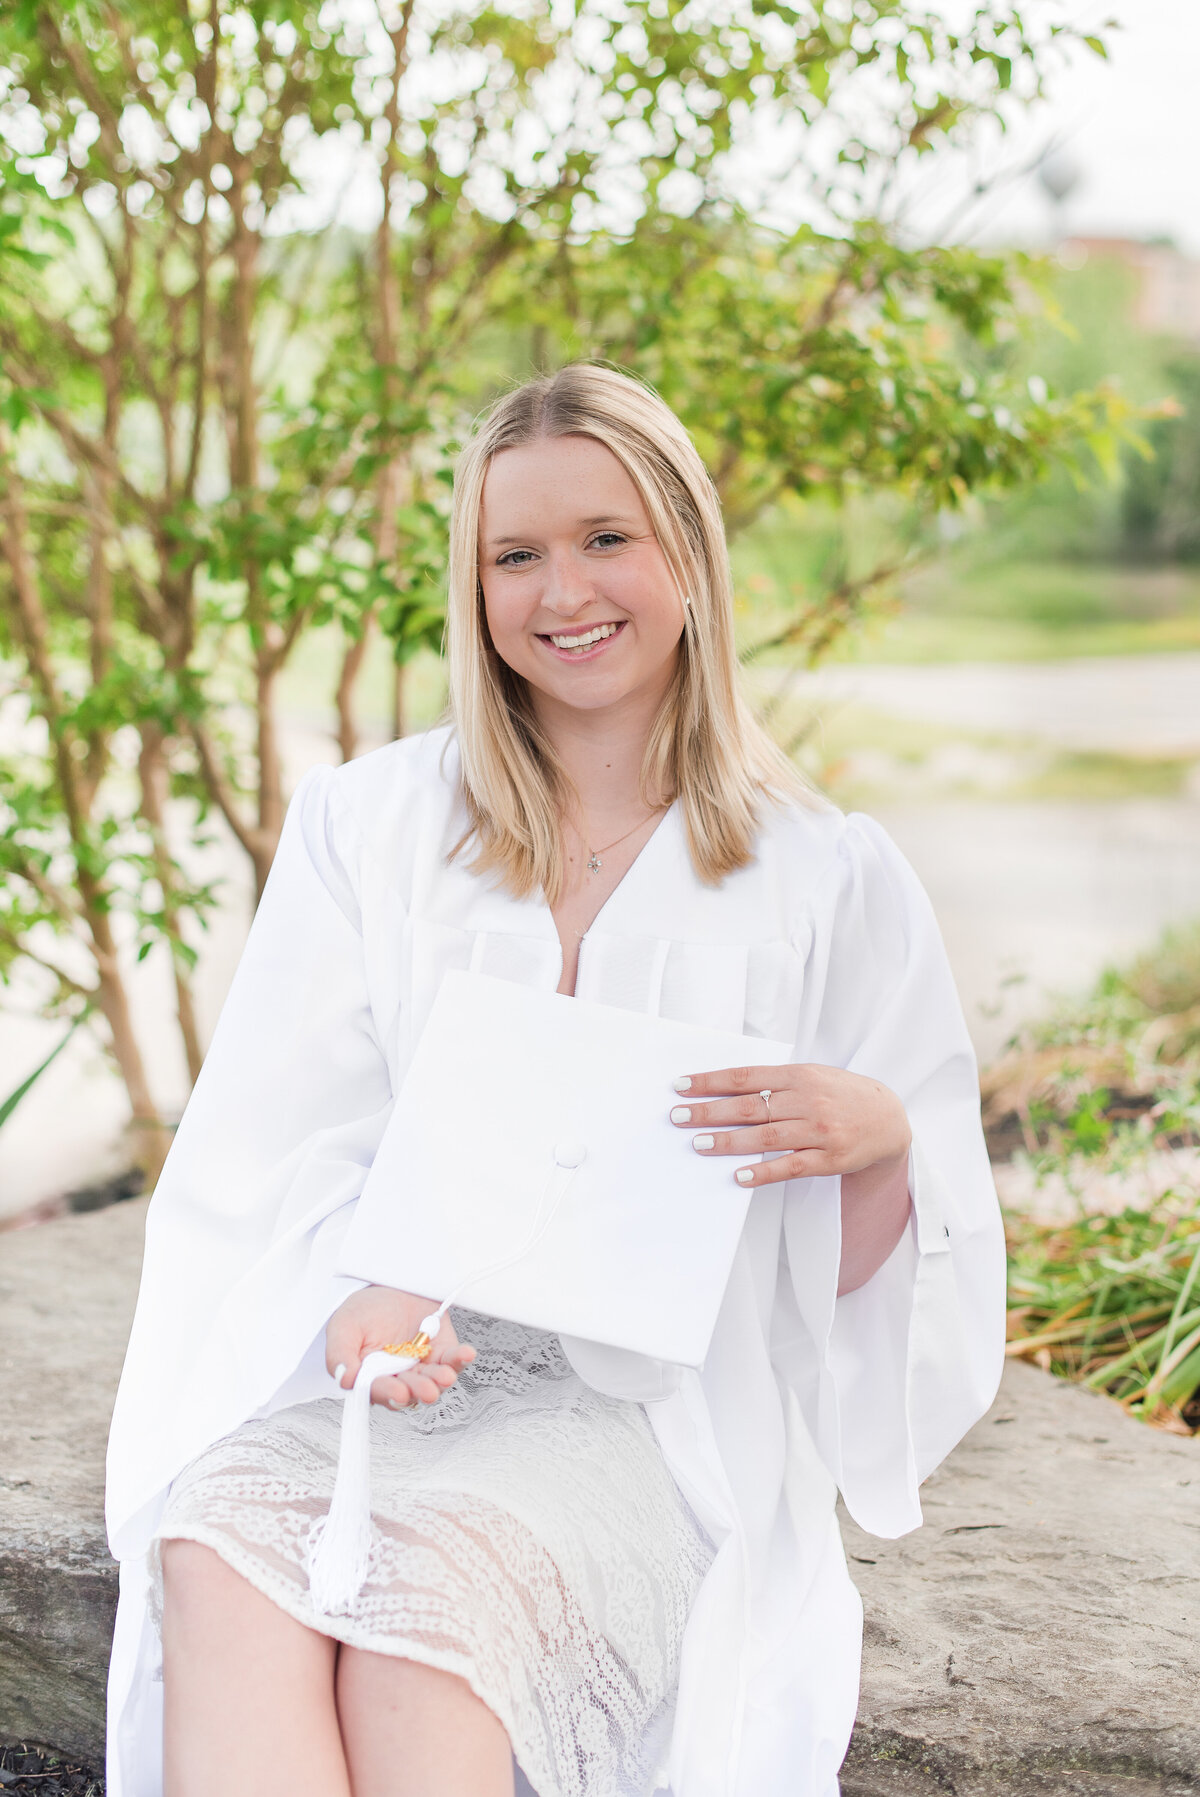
pixel 924 282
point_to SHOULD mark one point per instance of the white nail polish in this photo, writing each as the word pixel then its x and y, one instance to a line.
pixel 339 1372
pixel 702 1143
pixel 744 1176
pixel 681 1114
pixel 393 1405
pixel 684 1084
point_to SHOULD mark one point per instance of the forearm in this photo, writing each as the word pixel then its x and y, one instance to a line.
pixel 875 1211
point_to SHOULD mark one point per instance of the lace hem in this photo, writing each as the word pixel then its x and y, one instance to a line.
pixel 529 1538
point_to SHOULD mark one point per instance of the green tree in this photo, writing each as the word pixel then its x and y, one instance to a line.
pixel 1160 503
pixel 227 409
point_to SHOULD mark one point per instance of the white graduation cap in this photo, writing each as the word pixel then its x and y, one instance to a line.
pixel 530 1167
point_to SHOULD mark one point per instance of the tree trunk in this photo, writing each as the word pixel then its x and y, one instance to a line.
pixel 152 772
pixel 151 1139
pixel 270 777
pixel 77 792
pixel 391 474
pixel 399 708
pixel 352 661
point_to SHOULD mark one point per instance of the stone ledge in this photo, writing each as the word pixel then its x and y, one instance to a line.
pixel 1045 1623
pixel 1039 1636
pixel 67 1290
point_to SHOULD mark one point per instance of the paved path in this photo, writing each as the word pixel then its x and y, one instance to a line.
pixel 1124 704
pixel 1037 897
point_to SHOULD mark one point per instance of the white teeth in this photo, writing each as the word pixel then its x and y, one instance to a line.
pixel 581 642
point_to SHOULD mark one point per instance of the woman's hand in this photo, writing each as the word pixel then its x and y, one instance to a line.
pixel 820 1120
pixel 378 1315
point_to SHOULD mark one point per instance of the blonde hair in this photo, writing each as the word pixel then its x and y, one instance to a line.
pixel 706 748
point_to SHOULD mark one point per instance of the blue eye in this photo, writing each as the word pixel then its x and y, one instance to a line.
pixel 508 559
pixel 605 537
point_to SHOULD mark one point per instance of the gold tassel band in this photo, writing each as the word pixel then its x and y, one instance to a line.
pixel 420 1348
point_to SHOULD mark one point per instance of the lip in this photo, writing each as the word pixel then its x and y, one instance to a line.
pixel 574 656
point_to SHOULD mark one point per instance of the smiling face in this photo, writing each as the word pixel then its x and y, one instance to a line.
pixel 579 597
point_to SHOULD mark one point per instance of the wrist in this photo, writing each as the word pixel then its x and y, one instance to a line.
pixel 395 1291
pixel 883 1177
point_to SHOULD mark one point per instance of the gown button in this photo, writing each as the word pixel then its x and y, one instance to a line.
pixel 569 1154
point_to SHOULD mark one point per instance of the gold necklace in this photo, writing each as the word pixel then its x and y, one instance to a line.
pixel 594 863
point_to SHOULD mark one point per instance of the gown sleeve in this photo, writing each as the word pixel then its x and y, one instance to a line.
pixel 893 1374
pixel 272 1151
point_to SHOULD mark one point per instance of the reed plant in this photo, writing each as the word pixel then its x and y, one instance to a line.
pixel 1114 1302
pixel 1098 1086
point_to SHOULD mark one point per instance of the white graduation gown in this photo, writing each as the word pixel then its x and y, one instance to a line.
pixel 827 939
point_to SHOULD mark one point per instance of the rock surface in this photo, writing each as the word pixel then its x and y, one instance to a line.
pixel 1041 1633
pixel 66 1300
pixel 1039 1636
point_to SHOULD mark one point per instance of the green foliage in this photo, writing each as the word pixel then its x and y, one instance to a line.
pixel 1160 504
pixel 1151 1005
pixel 1144 509
pixel 814 364
pixel 1114 1300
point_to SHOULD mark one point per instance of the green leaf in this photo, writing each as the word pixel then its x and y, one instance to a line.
pixel 9 1105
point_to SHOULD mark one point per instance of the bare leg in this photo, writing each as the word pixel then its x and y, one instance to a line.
pixel 248 1690
pixel 413 1731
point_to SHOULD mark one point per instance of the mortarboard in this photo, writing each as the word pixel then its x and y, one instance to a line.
pixel 530 1167
pixel 525 1111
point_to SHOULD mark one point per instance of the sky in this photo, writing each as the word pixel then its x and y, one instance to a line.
pixel 1131 128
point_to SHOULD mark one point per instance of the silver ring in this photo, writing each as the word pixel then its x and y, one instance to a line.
pixel 766 1098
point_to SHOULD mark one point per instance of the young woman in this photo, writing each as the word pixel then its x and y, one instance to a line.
pixel 622 1575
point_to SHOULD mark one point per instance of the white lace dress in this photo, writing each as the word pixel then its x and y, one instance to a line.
pixel 529 1537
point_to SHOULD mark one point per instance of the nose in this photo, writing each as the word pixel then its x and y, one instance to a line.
pixel 569 587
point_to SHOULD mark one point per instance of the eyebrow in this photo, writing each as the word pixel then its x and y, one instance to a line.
pixel 587 523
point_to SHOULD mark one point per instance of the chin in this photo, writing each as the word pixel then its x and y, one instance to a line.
pixel 580 698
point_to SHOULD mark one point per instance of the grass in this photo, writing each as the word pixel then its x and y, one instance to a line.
pixel 1114 1302
pixel 967 604
pixel 863 757
pixel 914 637
pixel 1096 775
pixel 1111 1301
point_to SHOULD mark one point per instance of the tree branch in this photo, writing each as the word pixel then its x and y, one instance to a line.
pixel 222 793
pixel 838 605
pixel 19 946
pixel 61 903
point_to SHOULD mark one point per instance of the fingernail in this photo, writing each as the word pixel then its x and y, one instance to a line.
pixel 744 1176
pixel 393 1405
pixel 702 1143
pixel 339 1372
pixel 681 1114
pixel 684 1084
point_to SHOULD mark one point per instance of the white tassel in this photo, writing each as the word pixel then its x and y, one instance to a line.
pixel 339 1544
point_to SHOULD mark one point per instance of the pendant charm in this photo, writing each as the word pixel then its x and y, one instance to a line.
pixel 594 863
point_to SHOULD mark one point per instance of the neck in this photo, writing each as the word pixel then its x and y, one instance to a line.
pixel 601 753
